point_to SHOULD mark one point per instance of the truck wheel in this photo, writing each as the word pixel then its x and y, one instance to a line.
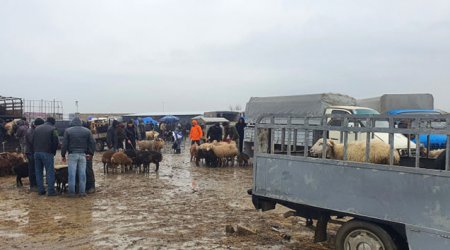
pixel 99 146
pixel 360 235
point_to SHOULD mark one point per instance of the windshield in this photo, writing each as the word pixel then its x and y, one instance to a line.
pixel 378 124
pixel 365 112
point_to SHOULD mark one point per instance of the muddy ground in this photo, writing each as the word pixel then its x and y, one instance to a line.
pixel 180 207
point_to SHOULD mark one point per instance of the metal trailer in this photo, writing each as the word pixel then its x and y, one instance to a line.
pixel 389 206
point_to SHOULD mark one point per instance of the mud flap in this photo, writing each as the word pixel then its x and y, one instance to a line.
pixel 263 204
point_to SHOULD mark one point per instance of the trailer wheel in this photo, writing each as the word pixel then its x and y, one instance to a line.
pixel 99 146
pixel 361 235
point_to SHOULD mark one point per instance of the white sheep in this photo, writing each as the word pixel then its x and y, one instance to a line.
pixel 356 151
pixel 225 152
pixel 435 153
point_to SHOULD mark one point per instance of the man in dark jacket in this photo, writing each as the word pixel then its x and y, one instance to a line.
pixel 131 133
pixel 231 133
pixel 30 153
pixel 214 133
pixel 45 144
pixel 111 136
pixel 240 126
pixel 22 128
pixel 78 141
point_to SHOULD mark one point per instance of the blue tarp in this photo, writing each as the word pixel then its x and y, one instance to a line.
pixel 436 141
pixel 149 120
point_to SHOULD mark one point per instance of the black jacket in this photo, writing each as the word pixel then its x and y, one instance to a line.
pixel 29 140
pixel 240 129
pixel 214 133
pixel 111 136
pixel 45 139
pixel 77 139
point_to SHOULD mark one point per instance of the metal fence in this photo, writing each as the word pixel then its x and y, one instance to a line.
pixel 43 108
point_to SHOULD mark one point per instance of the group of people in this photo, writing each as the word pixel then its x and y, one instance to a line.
pixel 121 136
pixel 216 133
pixel 41 144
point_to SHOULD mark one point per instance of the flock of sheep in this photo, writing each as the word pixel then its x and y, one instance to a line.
pixel 149 152
pixel 218 154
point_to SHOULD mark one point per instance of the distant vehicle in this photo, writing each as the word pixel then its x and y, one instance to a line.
pixel 432 141
pixel 327 106
pixel 231 116
pixel 388 102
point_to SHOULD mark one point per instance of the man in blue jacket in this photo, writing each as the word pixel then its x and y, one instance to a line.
pixel 78 141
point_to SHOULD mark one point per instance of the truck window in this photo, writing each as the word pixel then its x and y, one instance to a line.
pixel 336 121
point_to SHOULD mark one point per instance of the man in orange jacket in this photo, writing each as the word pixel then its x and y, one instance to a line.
pixel 196 133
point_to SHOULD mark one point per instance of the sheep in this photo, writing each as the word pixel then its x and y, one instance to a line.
pixel 225 152
pixel 61 177
pixel 21 171
pixel 11 127
pixel 435 153
pixel 242 159
pixel 193 150
pixel 151 135
pixel 204 151
pixel 132 155
pixel 356 151
pixel 121 159
pixel 106 159
pixel 145 145
pixel 5 165
pixel 158 144
pixel 9 160
pixel 147 157
pixel 151 145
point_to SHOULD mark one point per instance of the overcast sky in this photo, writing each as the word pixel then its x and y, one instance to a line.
pixel 138 56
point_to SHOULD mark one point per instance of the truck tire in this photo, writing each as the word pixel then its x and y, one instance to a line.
pixel 99 146
pixel 361 235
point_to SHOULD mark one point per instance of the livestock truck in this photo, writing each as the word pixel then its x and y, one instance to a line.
pixel 11 108
pixel 382 206
pixel 314 105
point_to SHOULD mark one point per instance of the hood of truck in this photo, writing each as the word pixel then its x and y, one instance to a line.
pixel 400 141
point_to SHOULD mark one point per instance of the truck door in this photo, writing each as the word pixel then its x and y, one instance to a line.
pixel 338 135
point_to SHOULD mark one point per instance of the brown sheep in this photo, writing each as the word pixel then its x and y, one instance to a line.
pixel 145 145
pixel 158 145
pixel 10 160
pixel 106 159
pixel 193 150
pixel 122 160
